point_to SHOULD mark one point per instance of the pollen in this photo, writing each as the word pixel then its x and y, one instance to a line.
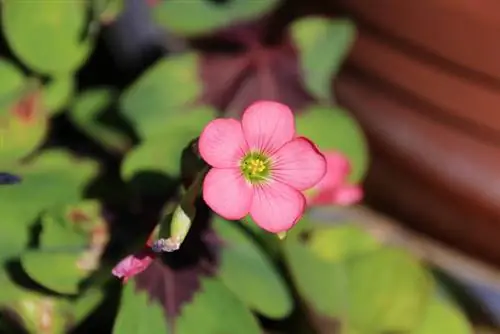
pixel 255 167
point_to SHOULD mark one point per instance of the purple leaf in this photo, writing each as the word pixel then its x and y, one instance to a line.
pixel 173 278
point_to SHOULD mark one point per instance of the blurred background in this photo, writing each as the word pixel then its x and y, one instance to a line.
pixel 100 100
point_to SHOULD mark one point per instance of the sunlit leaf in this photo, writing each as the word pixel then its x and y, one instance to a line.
pixel 323 44
pixel 86 112
pixel 161 94
pixel 321 283
pixel 247 272
pixel 388 291
pixel 108 10
pixel 46 35
pixel 201 17
pixel 333 129
pixel 23 121
pixel 443 317
pixel 341 242
pixel 57 94
pixel 138 315
pixel 58 270
pixel 43 314
pixel 162 153
pixel 216 310
pixel 51 179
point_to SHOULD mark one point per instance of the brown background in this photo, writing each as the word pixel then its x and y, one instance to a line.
pixel 424 81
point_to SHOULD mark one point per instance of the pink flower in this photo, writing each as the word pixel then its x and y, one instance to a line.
pixel 259 166
pixel 134 264
pixel 333 188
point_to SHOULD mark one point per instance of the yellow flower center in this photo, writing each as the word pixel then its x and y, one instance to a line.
pixel 255 167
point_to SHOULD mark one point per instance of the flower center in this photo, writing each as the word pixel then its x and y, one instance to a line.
pixel 255 167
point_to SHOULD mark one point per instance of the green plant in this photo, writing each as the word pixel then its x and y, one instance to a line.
pixel 60 240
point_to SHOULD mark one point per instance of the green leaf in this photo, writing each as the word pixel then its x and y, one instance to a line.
pixel 23 123
pixel 341 242
pixel 52 178
pixel 108 10
pixel 216 310
pixel 57 93
pixel 43 314
pixel 162 153
pixel 58 271
pixel 12 80
pixel 161 94
pixel 335 130
pixel 45 35
pixel 246 271
pixel 323 45
pixel 321 283
pixel 443 317
pixel 388 291
pixel 85 114
pixel 138 315
pixel 198 17
pixel 73 226
pixel 84 305
pixel 10 291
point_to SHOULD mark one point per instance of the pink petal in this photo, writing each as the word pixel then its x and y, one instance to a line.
pixel 227 193
pixel 221 144
pixel 299 164
pixel 133 264
pixel 337 170
pixel 277 207
pixel 342 195
pixel 348 195
pixel 267 126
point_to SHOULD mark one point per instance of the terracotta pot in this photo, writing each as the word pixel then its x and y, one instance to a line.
pixel 424 81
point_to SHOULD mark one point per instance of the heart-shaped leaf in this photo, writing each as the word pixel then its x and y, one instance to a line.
pixel 201 17
pixel 395 296
pixel 161 94
pixel 73 226
pixel 341 242
pixel 333 129
pixel 86 112
pixel 323 45
pixel 12 80
pixel 10 292
pixel 321 283
pixel 43 314
pixel 46 35
pixel 443 317
pixel 216 310
pixel 57 93
pixel 138 315
pixel 59 270
pixel 162 153
pixel 246 271
pixel 73 239
pixel 23 123
pixel 52 178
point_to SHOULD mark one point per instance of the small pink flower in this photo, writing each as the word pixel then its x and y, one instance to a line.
pixel 259 166
pixel 134 264
pixel 333 189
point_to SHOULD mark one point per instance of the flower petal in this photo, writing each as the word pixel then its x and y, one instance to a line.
pixel 221 144
pixel 133 264
pixel 337 170
pixel 267 126
pixel 348 195
pixel 299 164
pixel 277 207
pixel 343 195
pixel 227 193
